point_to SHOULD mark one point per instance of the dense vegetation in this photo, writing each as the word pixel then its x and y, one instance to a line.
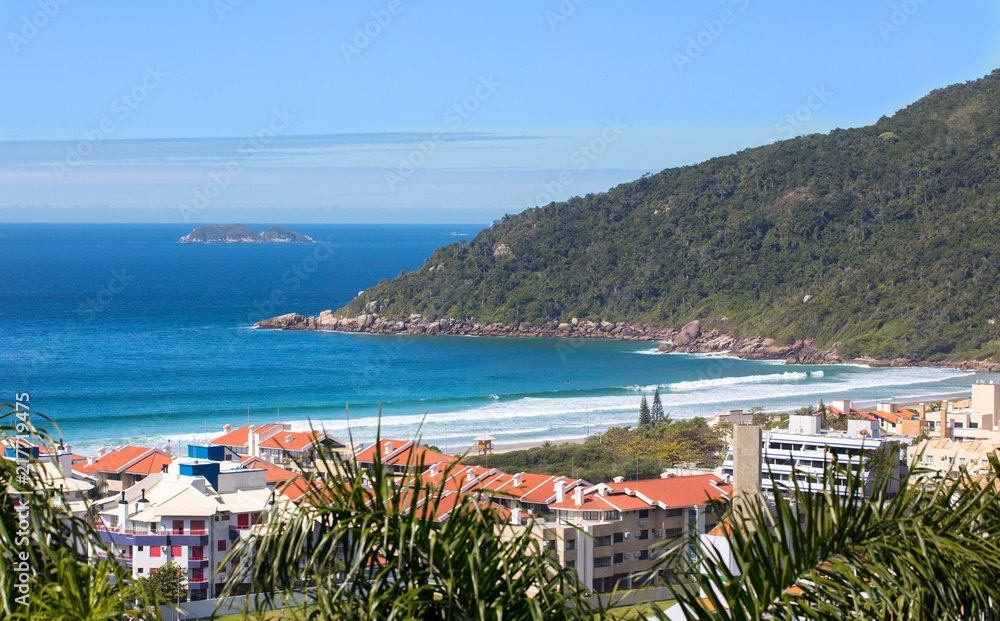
pixel 891 228
pixel 238 232
pixel 640 453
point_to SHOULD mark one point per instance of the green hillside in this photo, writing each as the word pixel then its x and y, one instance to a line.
pixel 892 228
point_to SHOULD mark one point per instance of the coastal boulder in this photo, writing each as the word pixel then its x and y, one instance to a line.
pixel 688 333
pixel 434 328
pixel 281 322
pixel 365 321
pixel 326 319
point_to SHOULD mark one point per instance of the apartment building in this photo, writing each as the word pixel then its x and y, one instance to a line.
pixel 124 467
pixel 54 470
pixel 612 533
pixel 947 455
pixel 191 517
pixel 278 444
pixel 401 456
pixel 532 494
pixel 808 448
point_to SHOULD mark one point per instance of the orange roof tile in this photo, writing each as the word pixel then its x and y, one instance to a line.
pixel 241 436
pixel 291 440
pixel 401 453
pixel 275 474
pixel 678 491
pixel 114 461
pixel 150 464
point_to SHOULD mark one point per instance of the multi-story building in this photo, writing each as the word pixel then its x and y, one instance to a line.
pixel 612 533
pixel 124 467
pixel 808 448
pixel 946 455
pixel 402 456
pixel 530 493
pixel 191 518
pixel 278 444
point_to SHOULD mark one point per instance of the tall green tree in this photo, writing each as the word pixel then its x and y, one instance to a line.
pixel 656 413
pixel 644 417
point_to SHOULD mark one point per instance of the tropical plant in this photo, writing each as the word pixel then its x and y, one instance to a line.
pixel 930 552
pixel 372 545
pixel 47 573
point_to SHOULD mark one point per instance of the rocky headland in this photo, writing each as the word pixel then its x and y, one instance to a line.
pixel 689 339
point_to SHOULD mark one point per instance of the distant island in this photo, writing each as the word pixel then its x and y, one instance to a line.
pixel 239 234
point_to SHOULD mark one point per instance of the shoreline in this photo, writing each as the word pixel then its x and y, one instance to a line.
pixel 688 340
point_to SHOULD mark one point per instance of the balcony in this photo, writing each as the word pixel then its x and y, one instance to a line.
pixel 197 584
pixel 197 562
pixel 189 538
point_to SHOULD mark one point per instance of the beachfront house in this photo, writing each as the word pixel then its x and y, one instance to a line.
pixel 122 468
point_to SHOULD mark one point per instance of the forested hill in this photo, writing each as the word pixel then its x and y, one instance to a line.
pixel 891 228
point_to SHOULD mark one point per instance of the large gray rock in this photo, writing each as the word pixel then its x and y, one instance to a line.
pixel 281 322
pixel 688 333
pixel 434 328
pixel 326 319
pixel 365 321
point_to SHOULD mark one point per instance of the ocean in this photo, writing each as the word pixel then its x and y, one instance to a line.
pixel 123 336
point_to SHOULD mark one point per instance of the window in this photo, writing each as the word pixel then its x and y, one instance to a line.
pixel 928 458
pixel 643 534
pixel 222 545
pixel 619 537
pixel 140 570
pixel 602 541
pixel 618 558
pixel 643 555
pixel 571 544
pixel 612 515
pixel 644 513
pixel 973 425
pixel 154 551
pixel 670 532
pixel 197 527
pixel 602 561
pixel 178 527
pixel 592 515
pixel 139 548
pixel 176 551
pixel 570 564
pixel 674 512
pixel 961 461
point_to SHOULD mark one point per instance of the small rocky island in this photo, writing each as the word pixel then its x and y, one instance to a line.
pixel 239 234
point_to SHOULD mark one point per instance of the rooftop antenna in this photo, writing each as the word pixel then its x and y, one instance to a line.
pixel 279 414
pixel 248 414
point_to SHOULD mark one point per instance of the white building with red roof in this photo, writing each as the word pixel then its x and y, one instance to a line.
pixel 402 456
pixel 608 532
pixel 278 444
pixel 124 467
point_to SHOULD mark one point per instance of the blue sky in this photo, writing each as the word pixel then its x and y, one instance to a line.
pixel 400 111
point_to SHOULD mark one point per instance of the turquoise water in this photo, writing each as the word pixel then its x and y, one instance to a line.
pixel 123 335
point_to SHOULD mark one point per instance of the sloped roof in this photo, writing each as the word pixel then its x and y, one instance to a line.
pixel 275 474
pixel 153 462
pixel 241 436
pixel 892 417
pixel 115 461
pixel 401 454
pixel 292 440
pixel 678 491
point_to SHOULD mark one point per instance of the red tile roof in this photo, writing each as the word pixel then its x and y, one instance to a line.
pixel 678 491
pixel 114 461
pixel 291 440
pixel 401 453
pixel 275 474
pixel 150 464
pixel 241 436
pixel 892 417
